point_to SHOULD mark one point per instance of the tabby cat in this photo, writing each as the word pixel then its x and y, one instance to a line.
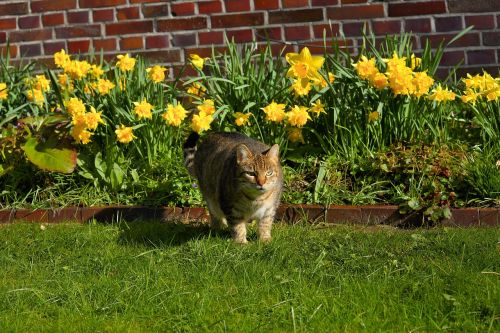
pixel 240 179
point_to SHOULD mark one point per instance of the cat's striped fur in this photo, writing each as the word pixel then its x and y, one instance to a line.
pixel 240 179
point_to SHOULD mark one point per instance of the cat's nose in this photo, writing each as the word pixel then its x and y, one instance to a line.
pixel 261 181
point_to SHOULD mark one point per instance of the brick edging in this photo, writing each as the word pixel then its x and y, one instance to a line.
pixel 359 215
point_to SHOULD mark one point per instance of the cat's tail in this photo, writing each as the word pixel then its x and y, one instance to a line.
pixel 190 151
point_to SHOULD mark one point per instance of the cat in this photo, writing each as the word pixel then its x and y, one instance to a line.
pixel 240 179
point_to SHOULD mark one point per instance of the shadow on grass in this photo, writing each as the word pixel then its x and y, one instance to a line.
pixel 161 234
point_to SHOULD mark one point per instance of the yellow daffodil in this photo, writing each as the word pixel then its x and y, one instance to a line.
pixel 298 116
pixel 201 122
pixel 93 119
pixel 36 96
pixel 41 83
pixel 175 114
pixel 104 86
pixel 441 95
pixel 365 68
pixel 395 62
pixel 61 58
pixel 143 109
pixel 75 106
pixel 124 134
pixel 96 71
pixel 317 108
pixel 379 80
pixel 373 116
pixel 4 91
pixel 421 83
pixel 274 112
pixel 301 87
pixel 77 69
pixel 81 135
pixel 207 107
pixel 125 63
pixel 156 73
pixel 242 119
pixel 470 96
pixel 304 65
pixel 197 61
pixel 196 89
pixel 295 135
pixel 400 80
pixel 415 61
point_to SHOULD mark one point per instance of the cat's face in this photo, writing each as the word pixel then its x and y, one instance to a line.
pixel 258 173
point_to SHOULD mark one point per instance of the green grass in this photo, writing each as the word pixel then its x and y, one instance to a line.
pixel 147 277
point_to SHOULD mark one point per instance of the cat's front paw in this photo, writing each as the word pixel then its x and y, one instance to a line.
pixel 266 239
pixel 240 241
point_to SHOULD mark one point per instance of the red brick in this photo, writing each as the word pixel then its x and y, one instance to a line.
pixel 491 38
pixel 78 17
pixel 418 25
pixel 157 42
pixel 163 56
pixel 211 37
pixel 127 13
pixel 295 3
pixel 480 22
pixel 353 1
pixel 237 5
pixel 155 10
pixel 417 8
pixel 101 3
pixel 240 36
pixel 7 23
pixel 444 24
pixel 386 27
pixel 268 33
pixel 354 28
pixel 203 51
pixel 49 48
pixel 30 50
pixel 49 20
pixel 16 8
pixel 127 28
pixel 328 29
pixel 28 22
pixel 143 1
pixel 324 2
pixel 209 7
pixel 3 37
pixel 108 44
pixel 478 57
pixel 78 46
pixel 470 39
pixel 296 16
pixel 184 40
pixel 175 24
pixel 11 50
pixel 131 43
pixel 237 20
pixel 103 15
pixel 297 33
pixel 184 71
pixel 79 31
pixel 52 5
pixel 266 4
pixel 30 35
pixel 452 58
pixel 182 8
pixel 355 12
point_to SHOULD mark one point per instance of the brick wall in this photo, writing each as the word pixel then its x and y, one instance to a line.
pixel 168 31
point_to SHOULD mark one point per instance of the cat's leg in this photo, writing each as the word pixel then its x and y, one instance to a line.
pixel 239 231
pixel 265 226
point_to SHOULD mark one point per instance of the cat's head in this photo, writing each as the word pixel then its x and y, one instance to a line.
pixel 258 172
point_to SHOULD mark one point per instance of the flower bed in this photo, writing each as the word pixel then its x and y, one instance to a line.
pixel 378 128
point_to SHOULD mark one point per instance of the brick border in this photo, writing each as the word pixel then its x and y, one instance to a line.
pixel 357 215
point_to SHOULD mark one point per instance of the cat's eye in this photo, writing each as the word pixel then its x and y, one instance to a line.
pixel 249 173
pixel 269 173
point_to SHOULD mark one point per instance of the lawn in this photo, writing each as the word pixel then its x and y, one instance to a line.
pixel 146 277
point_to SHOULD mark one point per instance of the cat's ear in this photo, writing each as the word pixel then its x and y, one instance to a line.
pixel 243 154
pixel 273 152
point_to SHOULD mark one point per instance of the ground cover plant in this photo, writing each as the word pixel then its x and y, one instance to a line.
pixel 377 127
pixel 147 276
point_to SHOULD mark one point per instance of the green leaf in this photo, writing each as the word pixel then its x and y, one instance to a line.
pixel 116 176
pixel 414 204
pixel 50 155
